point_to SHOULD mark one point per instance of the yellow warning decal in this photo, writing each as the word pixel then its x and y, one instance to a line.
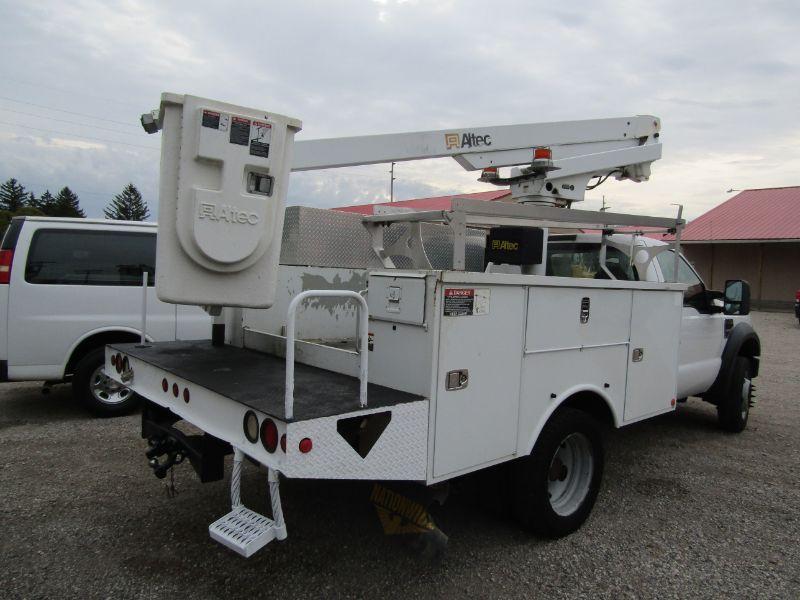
pixel 399 514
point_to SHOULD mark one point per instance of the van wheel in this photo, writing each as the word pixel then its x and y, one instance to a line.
pixel 556 486
pixel 100 394
pixel 734 410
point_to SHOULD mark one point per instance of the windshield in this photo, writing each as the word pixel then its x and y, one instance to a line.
pixel 572 259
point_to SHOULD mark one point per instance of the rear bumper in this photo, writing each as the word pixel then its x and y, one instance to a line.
pixel 399 451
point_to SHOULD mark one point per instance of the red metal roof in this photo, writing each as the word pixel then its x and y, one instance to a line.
pixel 434 203
pixel 760 214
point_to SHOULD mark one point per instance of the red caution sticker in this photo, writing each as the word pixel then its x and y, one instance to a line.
pixel 462 302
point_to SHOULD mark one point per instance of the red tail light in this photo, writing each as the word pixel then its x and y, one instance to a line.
pixel 269 435
pixel 6 258
pixel 797 295
pixel 305 445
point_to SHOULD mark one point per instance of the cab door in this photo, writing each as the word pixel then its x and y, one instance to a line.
pixel 702 331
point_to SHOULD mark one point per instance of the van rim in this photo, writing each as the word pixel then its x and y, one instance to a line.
pixel 106 390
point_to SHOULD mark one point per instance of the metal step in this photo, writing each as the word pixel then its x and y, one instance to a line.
pixel 243 530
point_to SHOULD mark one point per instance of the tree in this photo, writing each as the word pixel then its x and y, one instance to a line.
pixel 12 196
pixel 66 205
pixel 127 206
pixel 45 203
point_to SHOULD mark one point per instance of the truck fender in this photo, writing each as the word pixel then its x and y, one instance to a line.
pixel 98 332
pixel 742 341
pixel 562 399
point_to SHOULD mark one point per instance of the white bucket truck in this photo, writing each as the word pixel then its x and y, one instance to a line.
pixel 418 347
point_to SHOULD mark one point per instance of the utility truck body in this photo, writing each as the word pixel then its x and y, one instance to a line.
pixel 418 347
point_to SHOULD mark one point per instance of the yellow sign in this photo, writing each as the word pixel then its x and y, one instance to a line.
pixel 504 245
pixel 399 514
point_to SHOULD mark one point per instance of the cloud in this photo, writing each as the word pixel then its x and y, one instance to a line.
pixel 720 76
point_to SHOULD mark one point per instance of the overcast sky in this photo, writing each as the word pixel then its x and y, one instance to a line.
pixel 723 77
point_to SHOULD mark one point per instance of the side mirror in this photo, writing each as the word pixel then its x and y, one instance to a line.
pixel 737 297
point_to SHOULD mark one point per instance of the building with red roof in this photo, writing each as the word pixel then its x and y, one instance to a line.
pixel 433 203
pixel 754 236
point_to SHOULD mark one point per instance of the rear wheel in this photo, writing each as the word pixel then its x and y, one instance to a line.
pixel 734 410
pixel 99 393
pixel 556 486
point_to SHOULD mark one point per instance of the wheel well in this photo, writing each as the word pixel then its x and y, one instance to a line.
pixel 593 404
pixel 750 348
pixel 96 341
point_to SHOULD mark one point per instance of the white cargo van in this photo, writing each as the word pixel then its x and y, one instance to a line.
pixel 68 287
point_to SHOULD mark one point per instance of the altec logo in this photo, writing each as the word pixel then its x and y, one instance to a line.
pixel 466 140
pixel 504 245
pixel 227 214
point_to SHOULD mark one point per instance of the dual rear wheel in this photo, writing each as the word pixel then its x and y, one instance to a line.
pixel 556 486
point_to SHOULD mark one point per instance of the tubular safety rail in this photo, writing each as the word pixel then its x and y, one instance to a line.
pixel 363 334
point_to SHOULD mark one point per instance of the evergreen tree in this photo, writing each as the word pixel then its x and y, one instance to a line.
pixel 45 203
pixel 127 206
pixel 12 196
pixel 66 205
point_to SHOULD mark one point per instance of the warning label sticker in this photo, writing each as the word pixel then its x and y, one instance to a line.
pixel 462 302
pixel 211 119
pixel 260 137
pixel 214 120
pixel 240 131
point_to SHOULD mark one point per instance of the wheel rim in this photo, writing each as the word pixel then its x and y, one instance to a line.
pixel 570 474
pixel 106 390
pixel 746 390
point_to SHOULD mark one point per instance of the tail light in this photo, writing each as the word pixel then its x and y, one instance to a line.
pixel 250 426
pixel 305 445
pixel 269 435
pixel 6 258
pixel 797 295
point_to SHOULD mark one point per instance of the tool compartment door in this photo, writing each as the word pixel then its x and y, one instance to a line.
pixel 653 353
pixel 480 333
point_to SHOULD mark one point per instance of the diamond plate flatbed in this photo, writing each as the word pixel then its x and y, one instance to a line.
pixel 258 380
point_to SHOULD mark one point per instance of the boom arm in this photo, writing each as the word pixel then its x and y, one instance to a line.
pixel 580 151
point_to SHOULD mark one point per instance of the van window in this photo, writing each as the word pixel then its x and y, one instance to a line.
pixel 72 257
pixel 583 260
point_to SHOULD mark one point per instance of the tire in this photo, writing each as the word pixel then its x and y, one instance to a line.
pixel 556 486
pixel 98 393
pixel 734 410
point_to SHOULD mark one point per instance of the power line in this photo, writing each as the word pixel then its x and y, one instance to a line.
pixel 19 112
pixel 70 112
pixel 87 137
pixel 66 91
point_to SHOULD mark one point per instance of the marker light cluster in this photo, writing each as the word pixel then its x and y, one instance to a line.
pixel 176 390
pixel 120 363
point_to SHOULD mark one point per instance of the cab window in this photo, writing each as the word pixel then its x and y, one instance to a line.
pixel 583 260
pixel 694 294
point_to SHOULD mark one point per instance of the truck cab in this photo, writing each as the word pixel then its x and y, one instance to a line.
pixel 714 331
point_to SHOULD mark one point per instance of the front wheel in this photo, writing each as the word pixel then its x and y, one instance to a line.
pixel 734 410
pixel 556 486
pixel 99 393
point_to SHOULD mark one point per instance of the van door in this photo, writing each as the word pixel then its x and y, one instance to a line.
pixel 74 281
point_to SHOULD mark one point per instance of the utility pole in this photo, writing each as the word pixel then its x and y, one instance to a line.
pixel 604 208
pixel 391 184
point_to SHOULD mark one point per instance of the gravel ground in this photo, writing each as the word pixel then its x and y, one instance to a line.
pixel 685 510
